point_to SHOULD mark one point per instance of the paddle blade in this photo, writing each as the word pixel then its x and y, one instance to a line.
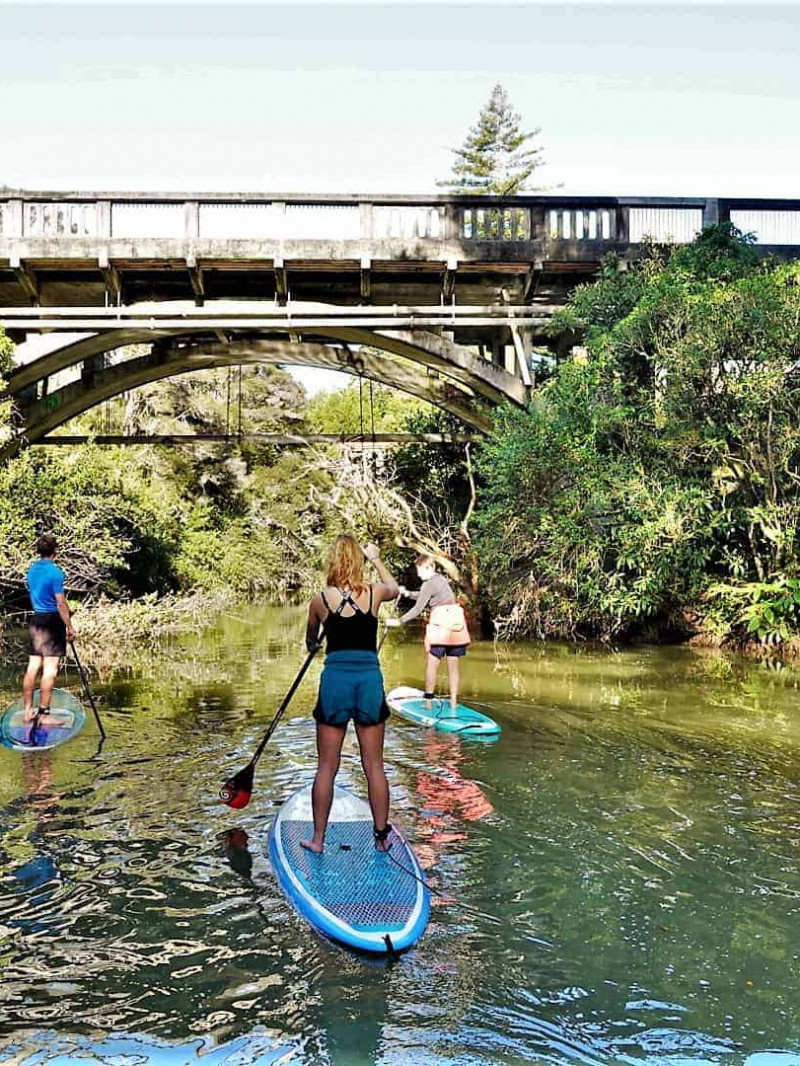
pixel 237 791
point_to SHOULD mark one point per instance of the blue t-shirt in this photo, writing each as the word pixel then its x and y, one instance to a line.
pixel 45 579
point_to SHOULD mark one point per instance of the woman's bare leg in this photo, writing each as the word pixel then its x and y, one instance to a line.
pixel 329 749
pixel 431 670
pixel 370 740
pixel 453 675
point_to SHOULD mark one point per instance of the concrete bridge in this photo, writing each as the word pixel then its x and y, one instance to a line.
pixel 443 297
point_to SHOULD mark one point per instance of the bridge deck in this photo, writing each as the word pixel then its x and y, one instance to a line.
pixel 88 249
pixel 443 297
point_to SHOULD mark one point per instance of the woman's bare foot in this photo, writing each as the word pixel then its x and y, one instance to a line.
pixel 313 845
pixel 29 714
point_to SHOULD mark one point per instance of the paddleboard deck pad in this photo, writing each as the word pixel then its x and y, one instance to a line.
pixel 65 719
pixel 438 714
pixel 350 892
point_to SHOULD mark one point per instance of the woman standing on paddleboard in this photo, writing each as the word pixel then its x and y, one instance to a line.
pixel 446 634
pixel 351 686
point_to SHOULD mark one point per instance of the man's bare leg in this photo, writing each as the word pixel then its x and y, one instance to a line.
pixel 49 675
pixel 29 685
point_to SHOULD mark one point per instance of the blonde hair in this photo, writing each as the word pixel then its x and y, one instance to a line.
pixel 346 564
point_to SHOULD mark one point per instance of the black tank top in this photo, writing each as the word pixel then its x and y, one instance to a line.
pixel 352 632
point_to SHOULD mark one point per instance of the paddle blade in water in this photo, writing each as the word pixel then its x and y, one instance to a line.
pixel 236 793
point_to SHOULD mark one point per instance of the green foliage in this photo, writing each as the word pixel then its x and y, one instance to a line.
pixel 613 296
pixel 353 409
pixel 6 354
pixel 720 253
pixel 496 156
pixel 145 520
pixel 437 473
pixel 769 611
pixel 662 464
pixel 212 555
pixel 106 529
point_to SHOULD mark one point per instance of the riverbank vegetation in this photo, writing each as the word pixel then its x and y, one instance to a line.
pixel 142 527
pixel 650 491
pixel 652 487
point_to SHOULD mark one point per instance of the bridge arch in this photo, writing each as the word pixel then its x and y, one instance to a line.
pixel 169 360
pixel 422 346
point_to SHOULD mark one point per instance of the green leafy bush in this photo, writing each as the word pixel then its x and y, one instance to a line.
pixel 661 464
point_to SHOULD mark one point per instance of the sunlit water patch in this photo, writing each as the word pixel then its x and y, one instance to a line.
pixel 618 872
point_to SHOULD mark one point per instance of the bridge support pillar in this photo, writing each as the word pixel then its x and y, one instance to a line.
pixel 715 212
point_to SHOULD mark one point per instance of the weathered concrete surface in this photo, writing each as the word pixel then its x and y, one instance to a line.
pixel 58 407
pixel 431 349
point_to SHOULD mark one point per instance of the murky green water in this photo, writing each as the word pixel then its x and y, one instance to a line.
pixel 629 851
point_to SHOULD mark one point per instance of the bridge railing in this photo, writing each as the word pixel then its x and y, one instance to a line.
pixel 547 221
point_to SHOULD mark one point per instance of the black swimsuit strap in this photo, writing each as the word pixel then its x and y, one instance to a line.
pixel 346 597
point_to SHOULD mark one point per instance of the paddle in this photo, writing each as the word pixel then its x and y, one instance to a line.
pixel 384 635
pixel 87 690
pixel 237 791
pixel 386 628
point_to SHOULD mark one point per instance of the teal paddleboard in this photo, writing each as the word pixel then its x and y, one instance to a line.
pixel 438 714
pixel 64 721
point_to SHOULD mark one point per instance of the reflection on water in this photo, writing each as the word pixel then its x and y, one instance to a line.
pixel 628 850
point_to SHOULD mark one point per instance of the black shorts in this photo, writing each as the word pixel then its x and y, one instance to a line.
pixel 48 634
pixel 452 651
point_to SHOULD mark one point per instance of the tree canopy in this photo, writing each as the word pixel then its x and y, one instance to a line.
pixel 497 156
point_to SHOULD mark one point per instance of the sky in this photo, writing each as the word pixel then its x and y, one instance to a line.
pixel 694 99
pixel 632 99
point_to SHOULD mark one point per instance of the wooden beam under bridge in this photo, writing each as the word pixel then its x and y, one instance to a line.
pixel 281 440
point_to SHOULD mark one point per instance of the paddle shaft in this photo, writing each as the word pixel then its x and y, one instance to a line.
pixel 87 690
pixel 285 703
pixel 294 687
pixel 385 633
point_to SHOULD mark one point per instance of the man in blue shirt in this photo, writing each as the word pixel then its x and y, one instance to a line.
pixel 50 627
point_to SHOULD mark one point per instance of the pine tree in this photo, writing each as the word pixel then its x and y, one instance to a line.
pixel 495 157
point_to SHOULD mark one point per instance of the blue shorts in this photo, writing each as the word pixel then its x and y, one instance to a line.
pixel 452 651
pixel 351 686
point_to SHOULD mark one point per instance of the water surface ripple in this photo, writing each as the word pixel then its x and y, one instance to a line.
pixel 626 856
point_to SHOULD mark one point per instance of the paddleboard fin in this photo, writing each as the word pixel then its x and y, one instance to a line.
pixel 390 951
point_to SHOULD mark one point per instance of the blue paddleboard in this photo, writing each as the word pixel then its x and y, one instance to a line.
pixel 438 714
pixel 65 720
pixel 351 892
